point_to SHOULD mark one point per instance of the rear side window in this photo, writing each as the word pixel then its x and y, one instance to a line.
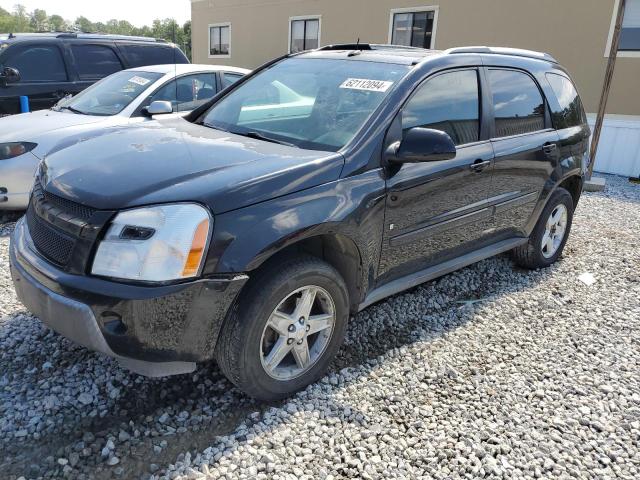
pixel 141 55
pixel 230 79
pixel 38 63
pixel 448 102
pixel 517 103
pixel 94 62
pixel 571 112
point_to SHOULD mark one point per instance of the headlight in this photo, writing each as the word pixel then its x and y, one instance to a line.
pixel 15 149
pixel 159 243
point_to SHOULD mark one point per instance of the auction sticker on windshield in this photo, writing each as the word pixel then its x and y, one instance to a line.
pixel 365 84
pixel 139 80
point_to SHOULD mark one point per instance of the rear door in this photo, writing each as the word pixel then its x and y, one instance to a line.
pixel 570 121
pixel 44 76
pixel 438 210
pixel 525 147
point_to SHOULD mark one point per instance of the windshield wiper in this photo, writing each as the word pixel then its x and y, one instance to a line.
pixel 260 136
pixel 74 110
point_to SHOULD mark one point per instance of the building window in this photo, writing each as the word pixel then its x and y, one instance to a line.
pixel 304 34
pixel 413 27
pixel 630 35
pixel 220 40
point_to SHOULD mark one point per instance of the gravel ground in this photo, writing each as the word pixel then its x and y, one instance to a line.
pixel 491 372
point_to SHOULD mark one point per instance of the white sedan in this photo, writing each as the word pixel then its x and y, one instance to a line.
pixel 123 98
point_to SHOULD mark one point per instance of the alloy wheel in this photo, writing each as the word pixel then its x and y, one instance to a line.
pixel 555 230
pixel 297 332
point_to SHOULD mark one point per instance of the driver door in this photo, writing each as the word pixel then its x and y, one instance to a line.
pixel 438 210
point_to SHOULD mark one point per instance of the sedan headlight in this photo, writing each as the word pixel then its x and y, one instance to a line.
pixel 15 149
pixel 159 243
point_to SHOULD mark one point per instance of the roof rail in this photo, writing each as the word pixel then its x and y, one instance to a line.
pixel 109 37
pixel 516 52
pixel 346 46
pixel 367 46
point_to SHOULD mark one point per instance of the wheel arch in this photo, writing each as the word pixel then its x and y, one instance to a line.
pixel 337 249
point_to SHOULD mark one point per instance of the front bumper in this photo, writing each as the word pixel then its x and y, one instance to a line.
pixel 152 330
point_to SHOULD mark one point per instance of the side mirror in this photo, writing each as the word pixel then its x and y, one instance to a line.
pixel 9 75
pixel 158 107
pixel 422 145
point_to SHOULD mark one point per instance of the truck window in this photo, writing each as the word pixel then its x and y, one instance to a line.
pixel 141 55
pixel 37 63
pixel 94 62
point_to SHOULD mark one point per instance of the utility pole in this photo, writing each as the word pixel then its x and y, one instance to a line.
pixel 606 87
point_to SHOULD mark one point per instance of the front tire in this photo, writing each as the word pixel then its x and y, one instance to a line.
pixel 550 234
pixel 286 328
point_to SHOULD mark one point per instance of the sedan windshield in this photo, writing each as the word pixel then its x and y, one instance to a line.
pixel 317 104
pixel 110 95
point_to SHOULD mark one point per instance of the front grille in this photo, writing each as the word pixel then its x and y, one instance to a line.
pixel 67 206
pixel 55 225
pixel 51 243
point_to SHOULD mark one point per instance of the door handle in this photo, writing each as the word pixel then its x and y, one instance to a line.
pixel 479 165
pixel 549 148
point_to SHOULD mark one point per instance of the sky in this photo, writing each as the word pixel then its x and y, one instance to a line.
pixel 137 12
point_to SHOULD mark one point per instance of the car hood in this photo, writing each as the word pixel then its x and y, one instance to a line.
pixel 29 127
pixel 175 160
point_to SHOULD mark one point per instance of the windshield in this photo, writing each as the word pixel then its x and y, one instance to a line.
pixel 111 94
pixel 317 104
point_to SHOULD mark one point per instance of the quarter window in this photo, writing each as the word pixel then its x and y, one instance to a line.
pixel 219 39
pixel 517 103
pixel 413 29
pixel 449 103
pixel 630 35
pixel 95 61
pixel 305 34
pixel 38 63
pixel 230 78
pixel 571 113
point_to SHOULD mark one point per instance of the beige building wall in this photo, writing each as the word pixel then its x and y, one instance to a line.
pixel 573 31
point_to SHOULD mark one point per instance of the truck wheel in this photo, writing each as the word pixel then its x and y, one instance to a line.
pixel 550 233
pixel 285 329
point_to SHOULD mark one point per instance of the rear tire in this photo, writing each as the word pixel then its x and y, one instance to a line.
pixel 550 234
pixel 268 353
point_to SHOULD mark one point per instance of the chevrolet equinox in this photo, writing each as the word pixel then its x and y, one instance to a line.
pixel 321 183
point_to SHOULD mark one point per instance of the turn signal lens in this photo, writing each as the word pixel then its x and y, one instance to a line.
pixel 194 258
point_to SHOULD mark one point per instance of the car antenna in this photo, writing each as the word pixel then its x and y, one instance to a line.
pixel 355 52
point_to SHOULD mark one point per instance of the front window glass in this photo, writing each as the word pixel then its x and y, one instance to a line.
pixel 449 103
pixel 188 92
pixel 38 64
pixel 110 95
pixel 517 103
pixel 317 104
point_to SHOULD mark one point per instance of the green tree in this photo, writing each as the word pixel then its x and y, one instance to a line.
pixel 84 24
pixel 21 19
pixel 39 20
pixel 57 23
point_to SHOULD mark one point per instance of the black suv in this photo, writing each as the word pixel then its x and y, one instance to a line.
pixel 319 184
pixel 48 66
